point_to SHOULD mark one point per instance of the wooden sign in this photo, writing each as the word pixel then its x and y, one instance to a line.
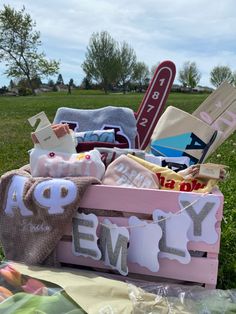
pixel 154 102
pixel 219 111
pixel 44 133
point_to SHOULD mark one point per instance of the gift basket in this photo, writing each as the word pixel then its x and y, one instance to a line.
pixel 120 192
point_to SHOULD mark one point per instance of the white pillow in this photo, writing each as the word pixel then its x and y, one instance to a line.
pixel 44 163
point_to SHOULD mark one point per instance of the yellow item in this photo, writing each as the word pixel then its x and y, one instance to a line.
pixel 170 180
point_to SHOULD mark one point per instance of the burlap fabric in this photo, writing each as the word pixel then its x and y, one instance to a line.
pixel 34 213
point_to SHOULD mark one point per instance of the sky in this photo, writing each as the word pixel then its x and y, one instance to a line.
pixel 198 31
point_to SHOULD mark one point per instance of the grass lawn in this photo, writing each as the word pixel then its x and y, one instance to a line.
pixel 15 142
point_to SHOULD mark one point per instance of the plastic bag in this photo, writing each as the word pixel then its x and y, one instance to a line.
pixel 150 298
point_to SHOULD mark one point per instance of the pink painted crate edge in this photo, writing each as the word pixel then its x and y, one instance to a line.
pixel 144 199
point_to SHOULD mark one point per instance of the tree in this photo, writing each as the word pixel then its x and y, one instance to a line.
pixel 25 89
pixel 127 61
pixel 86 83
pixel 51 83
pixel 153 69
pixel 12 84
pixel 19 44
pixel 234 78
pixel 3 90
pixel 141 75
pixel 189 75
pixel 102 59
pixel 71 82
pixel 60 80
pixel 36 82
pixel 220 74
pixel 70 85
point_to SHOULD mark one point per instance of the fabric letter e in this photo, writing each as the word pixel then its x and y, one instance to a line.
pixel 84 236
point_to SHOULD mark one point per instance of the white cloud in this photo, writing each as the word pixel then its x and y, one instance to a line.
pixel 196 30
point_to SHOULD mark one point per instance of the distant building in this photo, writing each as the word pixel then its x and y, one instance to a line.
pixel 203 89
pixel 62 87
pixel 197 89
pixel 176 88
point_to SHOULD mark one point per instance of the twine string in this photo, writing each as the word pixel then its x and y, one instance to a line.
pixel 159 220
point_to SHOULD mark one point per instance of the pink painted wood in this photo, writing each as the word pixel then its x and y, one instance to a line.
pixel 200 270
pixel 138 202
pixel 135 200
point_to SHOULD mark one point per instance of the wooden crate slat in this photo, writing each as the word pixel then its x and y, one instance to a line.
pixel 136 200
pixel 200 270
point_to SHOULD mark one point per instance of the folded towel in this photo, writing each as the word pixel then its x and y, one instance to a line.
pixel 121 119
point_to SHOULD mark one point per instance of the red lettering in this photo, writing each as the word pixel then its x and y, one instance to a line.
pixel 170 184
pixel 161 179
pixel 197 185
pixel 194 183
pixel 185 187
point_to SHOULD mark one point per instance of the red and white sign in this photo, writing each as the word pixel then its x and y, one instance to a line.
pixel 154 102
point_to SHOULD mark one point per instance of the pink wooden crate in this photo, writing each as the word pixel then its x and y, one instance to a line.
pixel 104 200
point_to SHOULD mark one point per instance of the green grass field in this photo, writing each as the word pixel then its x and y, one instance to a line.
pixel 15 142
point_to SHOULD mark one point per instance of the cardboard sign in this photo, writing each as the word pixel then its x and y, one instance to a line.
pixel 209 171
pixel 51 137
pixel 219 111
pixel 44 133
pixel 42 118
pixel 154 102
